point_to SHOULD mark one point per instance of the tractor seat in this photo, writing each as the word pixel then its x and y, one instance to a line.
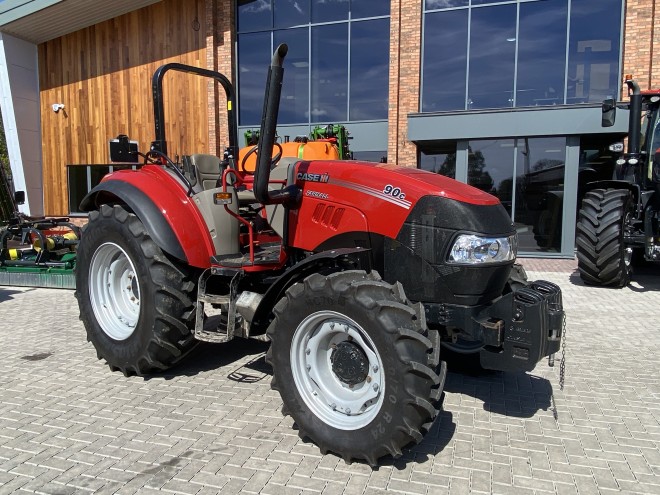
pixel 207 168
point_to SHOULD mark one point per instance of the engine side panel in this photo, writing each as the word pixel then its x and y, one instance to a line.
pixel 351 196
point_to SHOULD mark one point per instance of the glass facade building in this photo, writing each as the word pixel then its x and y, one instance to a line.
pixel 531 63
pixel 487 54
pixel 336 70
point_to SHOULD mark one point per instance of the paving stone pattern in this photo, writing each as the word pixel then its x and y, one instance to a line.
pixel 68 425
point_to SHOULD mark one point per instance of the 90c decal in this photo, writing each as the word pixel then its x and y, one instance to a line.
pixel 395 192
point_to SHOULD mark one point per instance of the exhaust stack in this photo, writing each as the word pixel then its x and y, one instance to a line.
pixel 635 122
pixel 289 195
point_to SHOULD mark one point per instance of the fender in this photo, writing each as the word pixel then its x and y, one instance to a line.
pixel 162 205
pixel 327 261
pixel 615 184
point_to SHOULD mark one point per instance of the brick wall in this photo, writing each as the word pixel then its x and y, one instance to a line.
pixel 220 38
pixel 405 56
pixel 641 52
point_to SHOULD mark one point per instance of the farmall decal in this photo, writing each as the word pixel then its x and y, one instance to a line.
pixel 313 177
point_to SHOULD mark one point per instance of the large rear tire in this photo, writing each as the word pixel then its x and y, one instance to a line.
pixel 136 305
pixel 355 364
pixel 603 258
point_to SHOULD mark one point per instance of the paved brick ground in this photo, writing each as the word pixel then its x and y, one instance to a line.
pixel 69 425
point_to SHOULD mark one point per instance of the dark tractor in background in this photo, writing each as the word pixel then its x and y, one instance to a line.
pixel 619 219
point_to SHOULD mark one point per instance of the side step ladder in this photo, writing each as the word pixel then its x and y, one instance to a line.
pixel 218 328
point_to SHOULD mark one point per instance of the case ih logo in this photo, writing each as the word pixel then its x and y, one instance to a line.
pixel 313 177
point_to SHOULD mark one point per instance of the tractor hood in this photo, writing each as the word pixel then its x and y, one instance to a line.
pixel 378 198
pixel 411 216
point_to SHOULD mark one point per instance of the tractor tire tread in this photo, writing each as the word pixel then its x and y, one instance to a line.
pixel 386 304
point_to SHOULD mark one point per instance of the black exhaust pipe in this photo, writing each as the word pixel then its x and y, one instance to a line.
pixel 635 122
pixel 288 196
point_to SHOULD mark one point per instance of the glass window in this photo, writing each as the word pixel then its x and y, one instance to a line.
pixel 254 15
pixel 96 173
pixel 369 8
pixel 295 88
pixel 289 13
pixel 329 10
pixel 482 2
pixel 490 168
pixel 541 53
pixel 441 162
pixel 492 57
pixel 77 185
pixel 329 73
pixel 371 156
pixel 254 56
pixel 444 4
pixel 539 193
pixel 370 59
pixel 593 59
pixel 444 62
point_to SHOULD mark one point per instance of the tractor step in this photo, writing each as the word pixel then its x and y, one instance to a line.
pixel 215 330
pixel 267 254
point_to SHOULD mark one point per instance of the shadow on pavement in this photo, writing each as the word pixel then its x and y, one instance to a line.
pixel 210 357
pixel 519 395
pixel 6 293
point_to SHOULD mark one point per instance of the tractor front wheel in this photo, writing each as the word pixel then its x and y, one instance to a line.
pixel 603 258
pixel 136 305
pixel 355 364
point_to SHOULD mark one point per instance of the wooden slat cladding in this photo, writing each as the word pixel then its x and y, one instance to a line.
pixel 102 74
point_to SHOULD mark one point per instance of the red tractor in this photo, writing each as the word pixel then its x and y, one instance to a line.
pixel 356 273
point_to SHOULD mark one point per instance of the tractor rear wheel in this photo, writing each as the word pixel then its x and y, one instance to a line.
pixel 355 364
pixel 603 258
pixel 136 305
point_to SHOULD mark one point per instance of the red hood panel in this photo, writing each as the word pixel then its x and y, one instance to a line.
pixel 350 196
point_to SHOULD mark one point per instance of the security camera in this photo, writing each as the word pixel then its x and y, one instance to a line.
pixel 57 107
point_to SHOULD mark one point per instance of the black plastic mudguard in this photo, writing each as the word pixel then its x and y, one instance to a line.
pixel 153 220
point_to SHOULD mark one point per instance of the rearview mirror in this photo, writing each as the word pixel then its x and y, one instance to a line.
pixel 609 113
pixel 19 197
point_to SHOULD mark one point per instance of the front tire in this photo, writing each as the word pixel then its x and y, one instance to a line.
pixel 603 258
pixel 355 364
pixel 136 305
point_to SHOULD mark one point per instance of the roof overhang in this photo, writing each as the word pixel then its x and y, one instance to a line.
pixel 38 21
pixel 517 122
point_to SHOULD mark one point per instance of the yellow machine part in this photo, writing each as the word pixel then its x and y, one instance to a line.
pixel 54 242
pixel 311 150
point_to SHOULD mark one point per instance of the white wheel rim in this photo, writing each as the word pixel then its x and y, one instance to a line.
pixel 332 400
pixel 114 291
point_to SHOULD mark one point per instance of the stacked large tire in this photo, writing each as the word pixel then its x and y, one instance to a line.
pixel 603 258
pixel 137 305
pixel 355 364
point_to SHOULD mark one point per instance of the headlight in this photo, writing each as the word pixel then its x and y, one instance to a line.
pixel 469 249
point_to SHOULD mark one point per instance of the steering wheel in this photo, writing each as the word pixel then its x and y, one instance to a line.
pixel 253 150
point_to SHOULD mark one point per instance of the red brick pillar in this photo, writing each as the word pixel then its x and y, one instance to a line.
pixel 641 43
pixel 405 56
pixel 655 47
pixel 220 38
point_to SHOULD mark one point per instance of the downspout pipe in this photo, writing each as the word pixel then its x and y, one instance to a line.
pixel 289 195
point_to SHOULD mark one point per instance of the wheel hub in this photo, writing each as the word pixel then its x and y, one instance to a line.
pixel 114 291
pixel 337 370
pixel 349 363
